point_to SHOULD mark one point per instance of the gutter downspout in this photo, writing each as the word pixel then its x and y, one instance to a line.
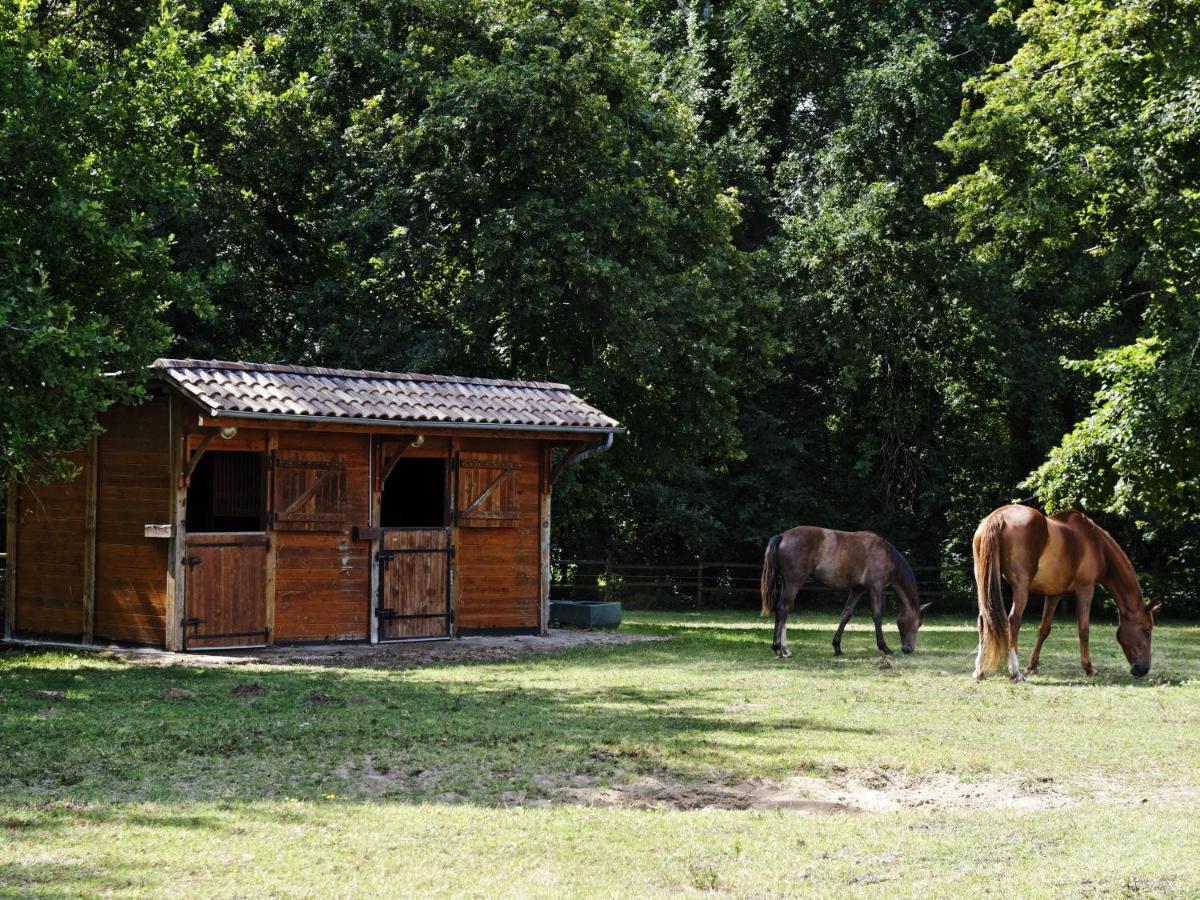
pixel 602 447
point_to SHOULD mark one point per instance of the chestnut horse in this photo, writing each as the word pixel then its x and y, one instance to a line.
pixel 850 560
pixel 1067 552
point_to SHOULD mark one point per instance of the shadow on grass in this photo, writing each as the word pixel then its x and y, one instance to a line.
pixel 123 732
pixel 468 732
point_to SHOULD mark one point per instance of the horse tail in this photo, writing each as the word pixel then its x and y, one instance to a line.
pixel 769 584
pixel 993 634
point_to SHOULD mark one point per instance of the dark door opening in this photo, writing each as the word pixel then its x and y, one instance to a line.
pixel 228 492
pixel 414 495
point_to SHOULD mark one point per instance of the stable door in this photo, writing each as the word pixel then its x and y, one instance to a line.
pixel 414 584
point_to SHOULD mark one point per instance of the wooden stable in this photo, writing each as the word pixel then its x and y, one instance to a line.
pixel 243 505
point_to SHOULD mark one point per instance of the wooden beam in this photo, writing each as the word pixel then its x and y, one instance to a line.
pixel 10 562
pixel 452 488
pixel 273 539
pixel 194 460
pixel 398 432
pixel 374 458
pixel 557 469
pixel 178 513
pixel 89 542
pixel 388 463
pixel 544 549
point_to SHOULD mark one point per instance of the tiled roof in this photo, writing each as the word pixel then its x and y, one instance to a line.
pixel 257 389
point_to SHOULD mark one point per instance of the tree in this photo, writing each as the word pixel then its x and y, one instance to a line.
pixel 1083 159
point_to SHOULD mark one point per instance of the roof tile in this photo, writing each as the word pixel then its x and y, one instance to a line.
pixel 266 390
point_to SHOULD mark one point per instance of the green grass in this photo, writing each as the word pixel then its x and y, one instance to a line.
pixel 467 779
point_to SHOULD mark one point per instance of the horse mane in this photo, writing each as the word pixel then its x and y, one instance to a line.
pixel 1117 562
pixel 905 577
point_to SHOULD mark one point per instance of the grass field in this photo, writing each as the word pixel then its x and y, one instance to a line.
pixel 615 771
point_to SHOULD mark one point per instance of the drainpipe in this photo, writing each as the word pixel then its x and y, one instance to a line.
pixel 602 447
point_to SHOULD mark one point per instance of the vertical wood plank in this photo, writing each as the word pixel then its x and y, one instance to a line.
pixel 373 463
pixel 175 569
pixel 89 542
pixel 544 548
pixel 10 572
pixel 452 489
pixel 272 537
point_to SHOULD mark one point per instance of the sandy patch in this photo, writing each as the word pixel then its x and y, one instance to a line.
pixel 813 795
pixel 384 656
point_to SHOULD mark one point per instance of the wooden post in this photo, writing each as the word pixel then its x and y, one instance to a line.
pixel 89 542
pixel 178 544
pixel 544 547
pixel 272 536
pixel 699 583
pixel 10 562
pixel 375 545
pixel 453 488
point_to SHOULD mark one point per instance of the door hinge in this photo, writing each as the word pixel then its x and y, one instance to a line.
pixel 193 622
pixel 193 561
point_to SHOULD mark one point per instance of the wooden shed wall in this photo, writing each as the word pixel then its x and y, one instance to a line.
pixel 51 555
pixel 499 569
pixel 323 578
pixel 133 490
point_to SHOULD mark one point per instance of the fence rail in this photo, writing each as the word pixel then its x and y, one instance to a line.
pixel 703 582
pixel 720 583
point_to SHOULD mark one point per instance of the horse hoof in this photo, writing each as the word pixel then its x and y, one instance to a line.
pixel 1017 677
pixel 1032 670
pixel 837 651
pixel 977 676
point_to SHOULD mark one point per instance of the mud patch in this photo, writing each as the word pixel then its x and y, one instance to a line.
pixel 813 795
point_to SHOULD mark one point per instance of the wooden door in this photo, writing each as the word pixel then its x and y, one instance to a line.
pixel 225 591
pixel 414 584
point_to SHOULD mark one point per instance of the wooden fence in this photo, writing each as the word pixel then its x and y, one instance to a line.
pixel 714 583
pixel 707 583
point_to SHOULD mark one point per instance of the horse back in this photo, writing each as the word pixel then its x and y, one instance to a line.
pixel 1077 548
pixel 837 559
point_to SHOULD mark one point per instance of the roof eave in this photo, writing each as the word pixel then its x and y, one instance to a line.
pixel 409 423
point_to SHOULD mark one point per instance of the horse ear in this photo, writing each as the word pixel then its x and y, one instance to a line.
pixel 1154 607
pixel 925 606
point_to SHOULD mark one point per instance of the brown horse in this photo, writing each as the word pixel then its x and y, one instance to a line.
pixel 851 560
pixel 1067 552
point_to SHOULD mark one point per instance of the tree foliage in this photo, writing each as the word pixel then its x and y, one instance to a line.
pixel 771 237
pixel 1083 157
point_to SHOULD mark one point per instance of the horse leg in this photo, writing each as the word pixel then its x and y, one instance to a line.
pixel 783 606
pixel 1020 593
pixel 1083 597
pixel 978 674
pixel 877 615
pixel 1049 605
pixel 851 604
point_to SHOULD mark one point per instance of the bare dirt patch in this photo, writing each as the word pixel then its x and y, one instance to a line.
pixel 407 655
pixel 813 795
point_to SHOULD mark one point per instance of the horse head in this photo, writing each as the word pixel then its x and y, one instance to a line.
pixel 1133 634
pixel 909 621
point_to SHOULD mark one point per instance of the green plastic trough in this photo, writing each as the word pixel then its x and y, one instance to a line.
pixel 585 613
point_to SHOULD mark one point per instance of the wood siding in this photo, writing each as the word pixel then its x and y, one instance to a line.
pixel 133 491
pixel 323 578
pixel 499 569
pixel 50 555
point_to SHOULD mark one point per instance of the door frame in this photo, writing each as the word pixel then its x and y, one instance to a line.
pixel 380 465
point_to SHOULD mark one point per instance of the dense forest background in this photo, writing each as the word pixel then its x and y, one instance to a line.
pixel 862 264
